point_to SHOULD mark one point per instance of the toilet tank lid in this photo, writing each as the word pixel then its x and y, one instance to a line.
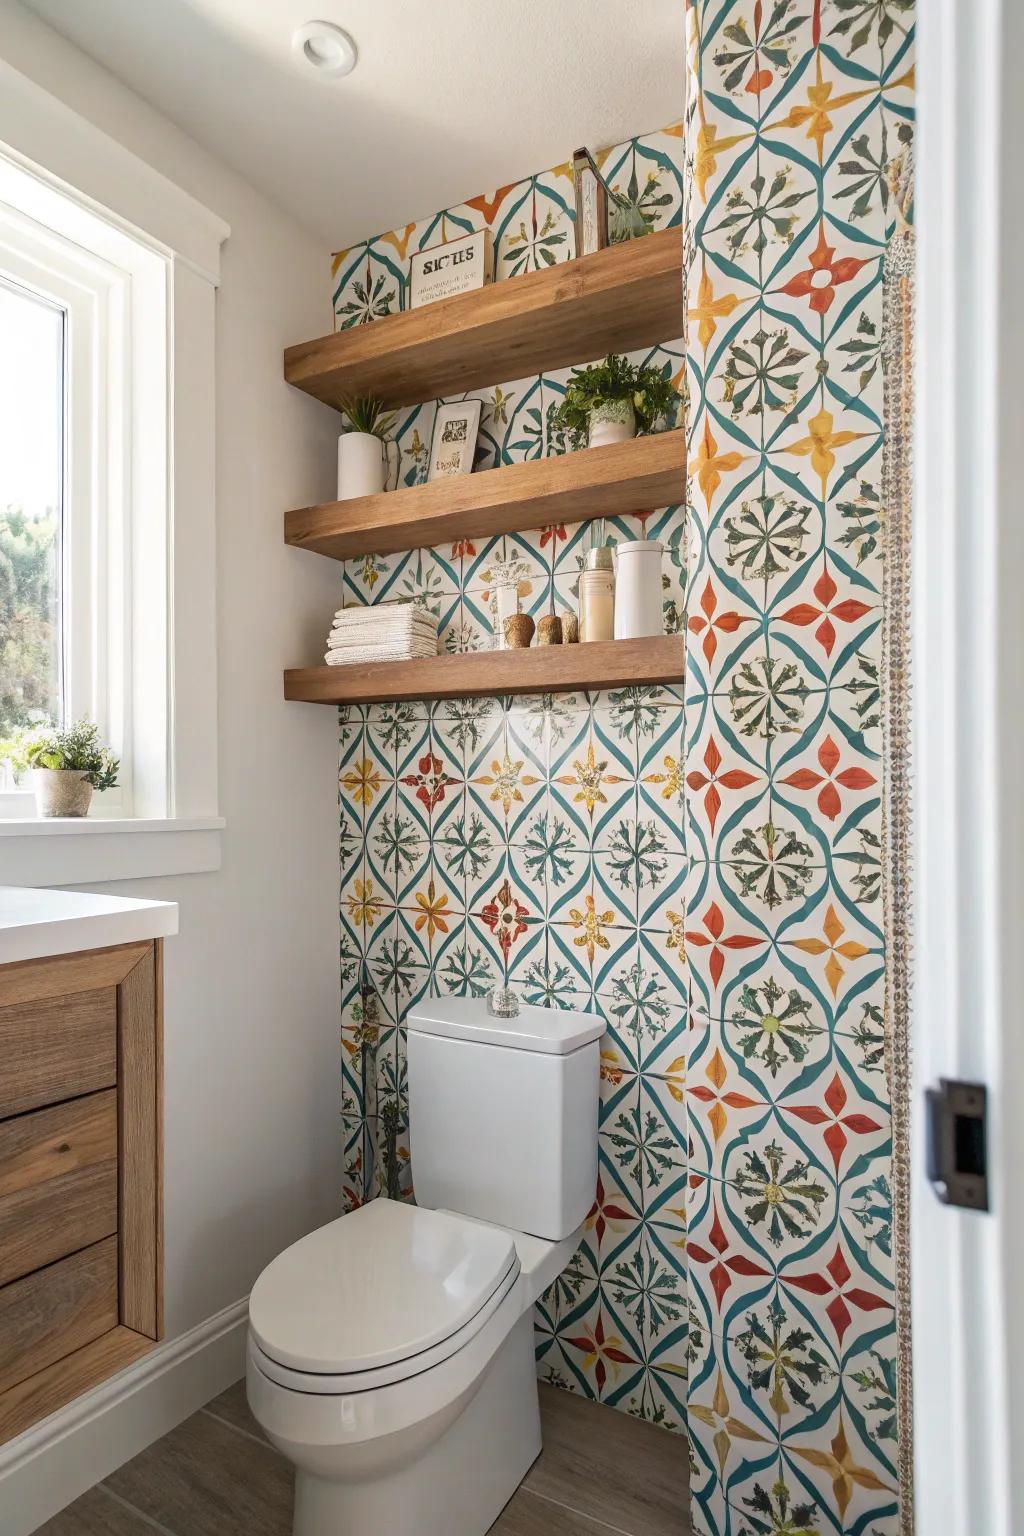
pixel 553 1031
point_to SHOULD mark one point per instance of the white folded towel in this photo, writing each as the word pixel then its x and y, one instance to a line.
pixel 360 655
pixel 358 634
pixel 402 631
pixel 383 613
pixel 424 625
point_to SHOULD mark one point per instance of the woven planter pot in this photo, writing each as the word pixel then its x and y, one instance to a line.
pixel 61 791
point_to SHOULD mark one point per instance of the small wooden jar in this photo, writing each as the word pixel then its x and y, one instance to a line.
pixel 549 630
pixel 570 629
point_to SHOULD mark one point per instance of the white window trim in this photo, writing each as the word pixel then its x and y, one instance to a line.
pixel 59 158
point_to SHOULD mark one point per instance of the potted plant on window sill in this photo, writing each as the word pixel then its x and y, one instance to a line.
pixel 362 449
pixel 612 401
pixel 66 764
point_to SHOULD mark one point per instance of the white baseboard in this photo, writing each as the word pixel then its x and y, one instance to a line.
pixel 55 1461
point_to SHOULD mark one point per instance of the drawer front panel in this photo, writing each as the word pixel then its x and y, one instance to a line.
pixel 56 1049
pixel 58 1182
pixel 42 1146
pixel 49 1314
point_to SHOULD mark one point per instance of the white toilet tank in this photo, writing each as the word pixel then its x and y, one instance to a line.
pixel 503 1113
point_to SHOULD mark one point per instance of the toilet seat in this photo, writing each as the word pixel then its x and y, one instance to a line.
pixel 376 1297
pixel 344 1384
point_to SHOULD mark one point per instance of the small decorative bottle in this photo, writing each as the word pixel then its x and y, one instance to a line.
pixel 597 595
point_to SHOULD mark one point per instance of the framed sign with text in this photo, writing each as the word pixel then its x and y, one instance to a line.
pixel 458 266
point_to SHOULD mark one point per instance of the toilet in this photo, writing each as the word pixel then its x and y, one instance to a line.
pixel 390 1353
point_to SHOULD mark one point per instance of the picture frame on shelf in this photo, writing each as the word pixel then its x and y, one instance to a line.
pixel 593 231
pixel 453 444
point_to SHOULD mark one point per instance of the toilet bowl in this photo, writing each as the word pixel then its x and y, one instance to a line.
pixel 390 1353
pixel 434 1315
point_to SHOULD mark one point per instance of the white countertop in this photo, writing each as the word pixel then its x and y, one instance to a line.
pixel 36 923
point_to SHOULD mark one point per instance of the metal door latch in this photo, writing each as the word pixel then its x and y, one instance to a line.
pixel 957 1143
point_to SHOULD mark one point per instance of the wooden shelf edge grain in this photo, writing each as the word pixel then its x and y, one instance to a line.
pixel 636 476
pixel 617 300
pixel 541 669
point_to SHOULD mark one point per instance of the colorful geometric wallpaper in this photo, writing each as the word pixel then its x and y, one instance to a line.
pixel 704 866
pixel 538 840
pixel 797 110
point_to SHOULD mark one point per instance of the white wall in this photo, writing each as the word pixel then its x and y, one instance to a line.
pixel 252 1146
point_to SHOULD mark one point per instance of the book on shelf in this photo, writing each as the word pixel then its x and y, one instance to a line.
pixel 592 231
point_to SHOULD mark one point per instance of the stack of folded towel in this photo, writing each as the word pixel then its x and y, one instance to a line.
pixel 386 632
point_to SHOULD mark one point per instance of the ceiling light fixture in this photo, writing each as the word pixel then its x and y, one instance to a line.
pixel 325 49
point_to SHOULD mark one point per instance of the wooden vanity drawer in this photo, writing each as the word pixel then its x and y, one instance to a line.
pixel 59 1309
pixel 81 1231
pixel 56 1048
pixel 58 1182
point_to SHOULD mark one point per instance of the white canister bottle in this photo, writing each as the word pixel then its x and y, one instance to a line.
pixel 638 599
pixel 360 465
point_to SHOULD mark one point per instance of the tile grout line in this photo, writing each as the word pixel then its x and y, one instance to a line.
pixel 571 1509
pixel 126 1504
pixel 247 1434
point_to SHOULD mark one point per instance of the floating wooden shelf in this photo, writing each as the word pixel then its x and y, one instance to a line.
pixel 636 476
pixel 619 299
pixel 541 669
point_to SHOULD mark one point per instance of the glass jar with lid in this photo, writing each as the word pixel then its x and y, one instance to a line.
pixel 597 595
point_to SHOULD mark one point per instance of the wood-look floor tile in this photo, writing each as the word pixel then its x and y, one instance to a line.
pixel 611 1466
pixel 205 1479
pixel 233 1405
pixel 528 1515
pixel 96 1514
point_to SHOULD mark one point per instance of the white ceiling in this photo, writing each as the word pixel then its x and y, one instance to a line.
pixel 450 98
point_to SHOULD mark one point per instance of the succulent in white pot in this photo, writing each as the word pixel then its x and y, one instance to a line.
pixel 65 763
pixel 612 401
pixel 362 449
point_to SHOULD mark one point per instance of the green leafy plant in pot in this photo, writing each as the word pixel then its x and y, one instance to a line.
pixel 66 764
pixel 362 448
pixel 611 401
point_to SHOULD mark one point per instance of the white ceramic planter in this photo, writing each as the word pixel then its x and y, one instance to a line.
pixel 61 791
pixel 638 599
pixel 613 422
pixel 360 465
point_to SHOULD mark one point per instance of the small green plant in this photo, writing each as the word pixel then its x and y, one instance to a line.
pixel 368 415
pixel 649 389
pixel 54 746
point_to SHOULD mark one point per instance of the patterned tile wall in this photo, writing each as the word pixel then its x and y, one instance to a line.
pixel 797 109
pixel 537 840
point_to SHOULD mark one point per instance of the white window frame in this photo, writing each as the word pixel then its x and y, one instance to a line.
pixel 146 257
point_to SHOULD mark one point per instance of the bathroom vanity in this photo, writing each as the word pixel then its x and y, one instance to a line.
pixel 80 1143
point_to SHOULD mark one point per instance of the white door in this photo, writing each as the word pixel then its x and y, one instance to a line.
pixel 967 1273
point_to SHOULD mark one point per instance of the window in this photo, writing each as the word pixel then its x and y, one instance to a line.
pixel 83 447
pixel 108 278
pixel 31 507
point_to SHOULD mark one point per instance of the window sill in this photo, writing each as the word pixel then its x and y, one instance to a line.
pixel 94 850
